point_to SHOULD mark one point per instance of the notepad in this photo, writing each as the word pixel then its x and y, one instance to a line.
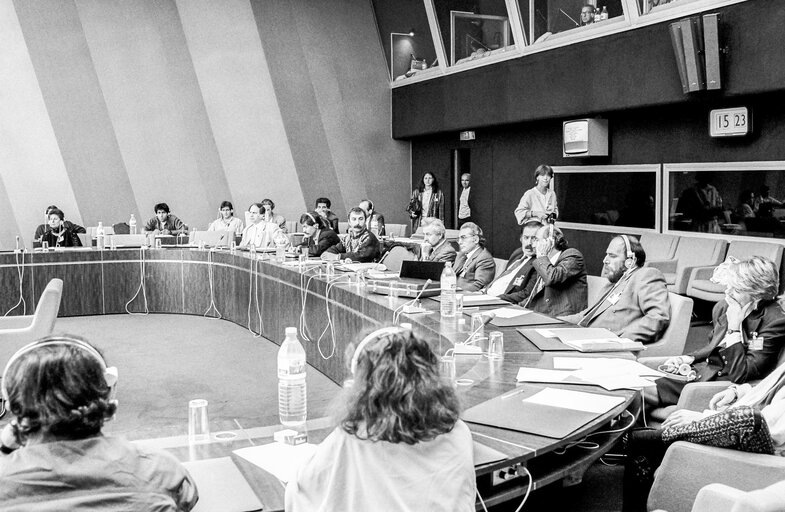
pixel 280 460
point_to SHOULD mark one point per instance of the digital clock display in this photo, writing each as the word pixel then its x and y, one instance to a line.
pixel 729 122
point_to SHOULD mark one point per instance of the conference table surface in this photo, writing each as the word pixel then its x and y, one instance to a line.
pixel 266 296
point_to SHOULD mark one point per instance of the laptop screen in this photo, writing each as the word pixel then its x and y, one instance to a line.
pixel 422 270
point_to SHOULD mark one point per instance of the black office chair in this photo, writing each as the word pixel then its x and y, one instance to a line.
pixel 122 228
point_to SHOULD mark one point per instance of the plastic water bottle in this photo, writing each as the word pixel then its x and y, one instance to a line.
pixel 292 405
pixel 448 286
pixel 132 225
pixel 99 236
pixel 281 241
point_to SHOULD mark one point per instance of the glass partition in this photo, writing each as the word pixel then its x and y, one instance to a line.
pixel 406 37
pixel 472 29
pixel 741 199
pixel 609 195
pixel 648 6
pixel 543 18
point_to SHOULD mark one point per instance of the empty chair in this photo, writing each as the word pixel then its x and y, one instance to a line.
pixel 398 230
pixel 658 246
pixel 700 285
pixel 690 253
pixel 395 257
pixel 121 228
pixel 18 331
pixel 675 336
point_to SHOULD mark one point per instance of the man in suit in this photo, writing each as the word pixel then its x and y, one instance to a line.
pixel 435 246
pixel 465 202
pixel 557 285
pixel 374 220
pixel 474 265
pixel 634 303
pixel 518 271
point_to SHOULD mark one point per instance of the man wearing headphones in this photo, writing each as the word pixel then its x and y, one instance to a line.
pixel 634 303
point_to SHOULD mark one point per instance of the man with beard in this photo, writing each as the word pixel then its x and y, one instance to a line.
pixel 358 245
pixel 634 303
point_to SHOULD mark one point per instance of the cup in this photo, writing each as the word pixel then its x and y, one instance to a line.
pixel 495 345
pixel 447 369
pixel 198 425
pixel 478 327
pixel 459 305
pixel 157 243
pixel 232 246
pixel 45 246
pixel 304 252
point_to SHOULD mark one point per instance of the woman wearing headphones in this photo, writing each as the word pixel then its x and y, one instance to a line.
pixel 399 444
pixel 54 456
pixel 318 237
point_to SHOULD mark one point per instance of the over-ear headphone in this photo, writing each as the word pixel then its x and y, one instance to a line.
pixel 110 373
pixel 378 333
pixel 629 262
pixel 312 218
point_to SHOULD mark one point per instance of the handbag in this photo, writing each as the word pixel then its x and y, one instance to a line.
pixel 415 207
pixel 740 428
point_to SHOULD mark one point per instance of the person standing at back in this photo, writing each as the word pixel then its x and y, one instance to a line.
pixel 427 201
pixel 539 201
pixel 464 200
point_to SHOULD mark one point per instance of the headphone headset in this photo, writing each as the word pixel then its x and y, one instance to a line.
pixel 629 262
pixel 312 218
pixel 110 373
pixel 378 333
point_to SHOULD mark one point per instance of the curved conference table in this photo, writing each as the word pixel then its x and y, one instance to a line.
pixel 242 287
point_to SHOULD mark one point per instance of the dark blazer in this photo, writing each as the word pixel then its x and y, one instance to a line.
pixel 563 291
pixel 737 363
pixel 43 228
pixel 332 221
pixel 379 218
pixel 522 275
pixel 477 273
pixel 67 238
pixel 327 238
pixel 641 312
pixel 444 252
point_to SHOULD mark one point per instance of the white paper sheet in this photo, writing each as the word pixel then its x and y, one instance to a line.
pixel 575 400
pixel 542 375
pixel 477 299
pixel 507 312
pixel 279 459
pixel 605 365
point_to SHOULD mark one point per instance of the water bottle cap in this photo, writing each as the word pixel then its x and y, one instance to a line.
pixel 291 330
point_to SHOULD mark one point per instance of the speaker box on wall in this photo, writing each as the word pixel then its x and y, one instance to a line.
pixel 678 53
pixel 692 38
pixel 711 43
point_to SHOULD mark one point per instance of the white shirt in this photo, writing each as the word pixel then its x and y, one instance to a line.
pixel 499 286
pixel 259 235
pixel 235 225
pixel 350 474
pixel 463 204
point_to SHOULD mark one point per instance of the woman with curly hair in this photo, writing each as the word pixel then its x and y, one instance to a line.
pixel 427 201
pixel 399 444
pixel 54 456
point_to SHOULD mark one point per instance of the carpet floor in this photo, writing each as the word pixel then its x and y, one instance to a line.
pixel 166 360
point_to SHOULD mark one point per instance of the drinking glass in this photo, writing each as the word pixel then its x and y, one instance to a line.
pixel 198 424
pixel 495 345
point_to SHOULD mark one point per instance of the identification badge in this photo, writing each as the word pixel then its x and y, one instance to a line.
pixel 756 342
pixel 613 299
pixel 518 281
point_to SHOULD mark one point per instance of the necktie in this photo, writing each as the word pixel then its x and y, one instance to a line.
pixel 587 317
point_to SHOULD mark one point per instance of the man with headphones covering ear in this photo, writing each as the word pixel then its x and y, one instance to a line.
pixel 54 457
pixel 634 303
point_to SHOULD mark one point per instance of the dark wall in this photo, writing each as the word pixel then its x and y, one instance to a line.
pixel 632 69
pixel 503 159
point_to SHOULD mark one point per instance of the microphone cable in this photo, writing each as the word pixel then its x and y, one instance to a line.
pixel 330 326
pixel 210 278
pixel 253 281
pixel 304 285
pixel 142 286
pixel 20 273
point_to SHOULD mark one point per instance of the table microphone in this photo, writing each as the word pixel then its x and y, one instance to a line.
pixel 18 249
pixel 467 347
pixel 408 308
pixel 487 317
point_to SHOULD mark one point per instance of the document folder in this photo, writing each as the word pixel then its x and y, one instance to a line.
pixel 513 411
pixel 525 318
pixel 221 486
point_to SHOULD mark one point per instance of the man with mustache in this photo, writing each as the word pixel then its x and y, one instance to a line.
pixel 358 245
pixel 517 272
pixel 634 303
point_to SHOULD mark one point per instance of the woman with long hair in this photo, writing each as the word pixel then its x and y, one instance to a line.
pixel 399 444
pixel 427 201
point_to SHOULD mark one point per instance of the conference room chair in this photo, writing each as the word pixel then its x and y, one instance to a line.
pixel 674 338
pixel 699 284
pixel 658 246
pixel 687 468
pixel 291 226
pixel 396 230
pixel 18 331
pixel 724 498
pixel 343 228
pixel 395 257
pixel 690 253
pixel 500 264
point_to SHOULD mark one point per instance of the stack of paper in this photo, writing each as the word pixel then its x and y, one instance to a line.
pixel 609 373
pixel 590 339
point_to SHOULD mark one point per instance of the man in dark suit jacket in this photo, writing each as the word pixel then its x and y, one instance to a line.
pixel 474 265
pixel 557 286
pixel 374 220
pixel 435 246
pixel 634 304
pixel 748 335
pixel 519 269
